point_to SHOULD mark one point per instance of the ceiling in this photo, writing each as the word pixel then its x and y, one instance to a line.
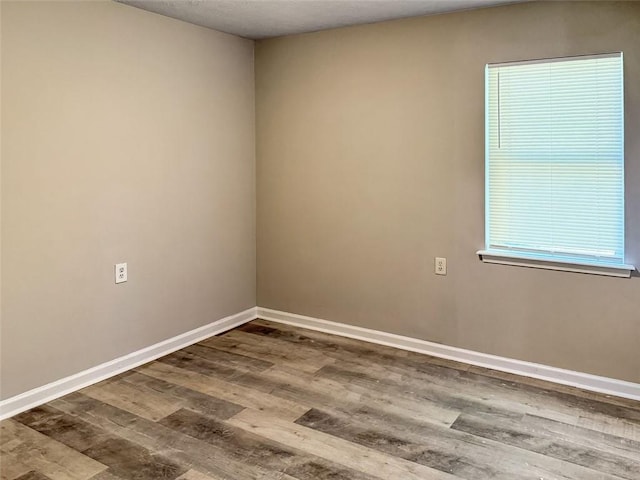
pixel 272 18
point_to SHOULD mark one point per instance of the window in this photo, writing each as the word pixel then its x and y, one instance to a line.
pixel 555 164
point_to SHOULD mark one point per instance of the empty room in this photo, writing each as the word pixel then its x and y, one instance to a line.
pixel 319 240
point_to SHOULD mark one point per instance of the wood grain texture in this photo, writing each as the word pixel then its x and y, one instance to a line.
pixel 196 475
pixel 11 467
pixel 465 456
pixel 280 353
pixel 33 475
pixel 514 433
pixel 245 396
pixel 275 402
pixel 345 453
pixel 46 455
pixel 185 450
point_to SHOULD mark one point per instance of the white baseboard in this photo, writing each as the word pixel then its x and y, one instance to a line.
pixel 585 381
pixel 32 398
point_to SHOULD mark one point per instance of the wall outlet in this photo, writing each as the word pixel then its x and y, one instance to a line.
pixel 441 266
pixel 121 272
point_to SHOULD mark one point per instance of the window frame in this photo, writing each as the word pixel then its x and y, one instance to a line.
pixel 542 259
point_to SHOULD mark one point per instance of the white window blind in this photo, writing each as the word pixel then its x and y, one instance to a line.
pixel 555 160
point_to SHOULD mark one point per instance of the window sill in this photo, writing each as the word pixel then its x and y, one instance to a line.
pixel 505 258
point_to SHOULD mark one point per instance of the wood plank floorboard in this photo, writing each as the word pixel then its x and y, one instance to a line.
pixel 246 396
pixel 515 433
pixel 461 388
pixel 33 475
pixel 11 467
pixel 465 456
pixel 275 402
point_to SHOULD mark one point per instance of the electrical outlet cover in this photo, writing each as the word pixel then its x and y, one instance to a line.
pixel 121 272
pixel 440 267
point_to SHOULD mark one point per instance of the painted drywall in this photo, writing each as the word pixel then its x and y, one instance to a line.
pixel 126 137
pixel 370 163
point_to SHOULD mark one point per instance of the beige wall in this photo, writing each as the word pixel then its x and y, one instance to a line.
pixel 370 158
pixel 126 137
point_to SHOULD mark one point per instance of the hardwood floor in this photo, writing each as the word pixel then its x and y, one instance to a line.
pixel 269 401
